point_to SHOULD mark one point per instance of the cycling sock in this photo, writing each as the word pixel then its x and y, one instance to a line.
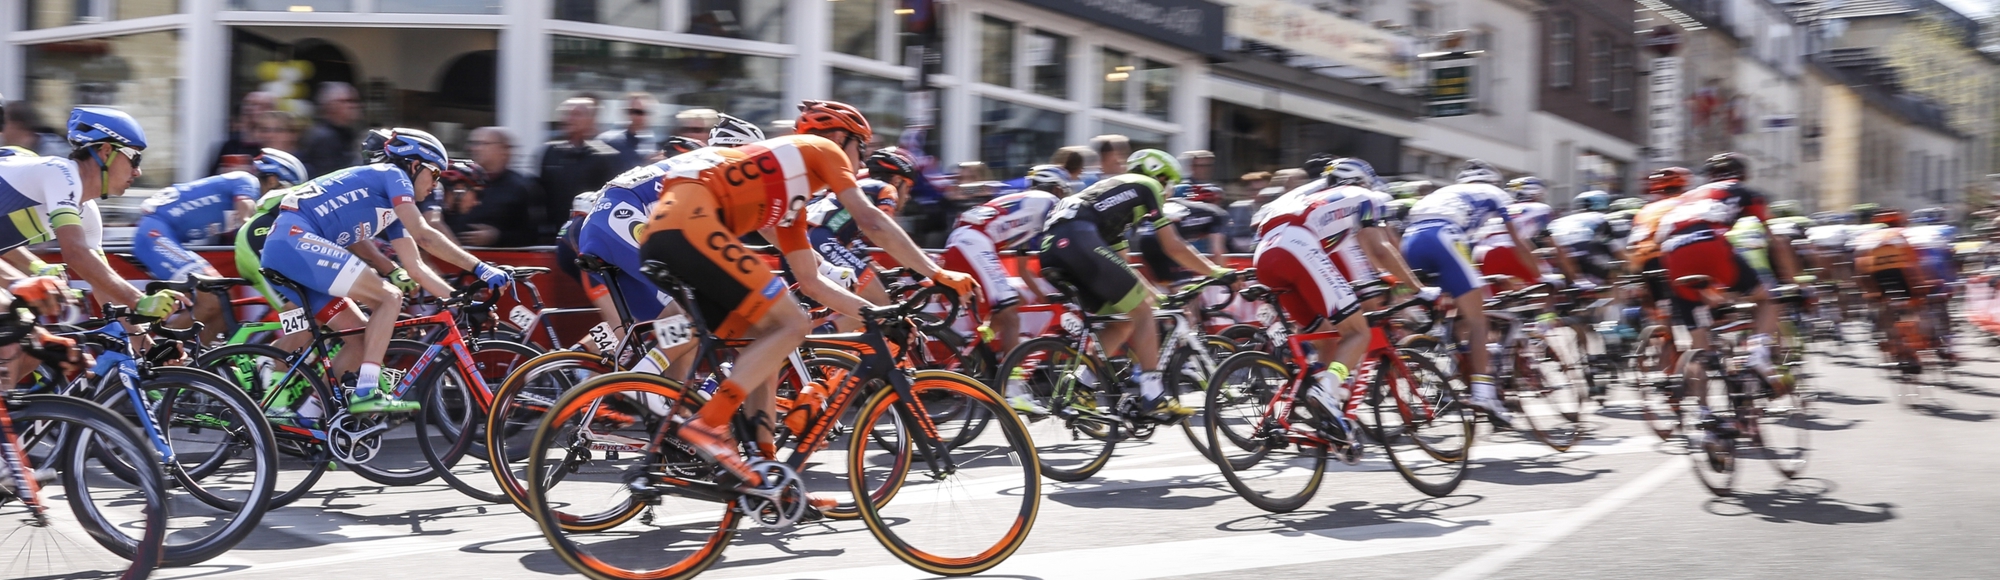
pixel 715 413
pixel 366 380
pixel 1482 387
pixel 1150 386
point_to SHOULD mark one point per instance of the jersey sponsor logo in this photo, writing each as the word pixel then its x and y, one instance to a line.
pixel 623 213
pixel 181 209
pixel 731 252
pixel 1121 197
pixel 772 289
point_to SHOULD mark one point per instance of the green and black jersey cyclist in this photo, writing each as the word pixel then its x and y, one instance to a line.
pixel 1086 241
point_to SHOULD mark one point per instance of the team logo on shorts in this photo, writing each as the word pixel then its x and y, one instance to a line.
pixel 1062 242
pixel 772 289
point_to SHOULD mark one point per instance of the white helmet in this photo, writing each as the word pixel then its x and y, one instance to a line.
pixel 733 132
pixel 1476 171
pixel 1351 171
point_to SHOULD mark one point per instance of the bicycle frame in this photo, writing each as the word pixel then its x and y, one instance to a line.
pixel 16 461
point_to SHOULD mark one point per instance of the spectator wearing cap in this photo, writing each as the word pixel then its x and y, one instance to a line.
pixel 574 164
pixel 636 142
pixel 329 145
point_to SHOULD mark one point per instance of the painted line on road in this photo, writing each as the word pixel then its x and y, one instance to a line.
pixel 1543 537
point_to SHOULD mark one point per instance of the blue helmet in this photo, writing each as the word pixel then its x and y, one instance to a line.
pixel 415 145
pixel 1927 216
pixel 91 125
pixel 283 165
pixel 1591 201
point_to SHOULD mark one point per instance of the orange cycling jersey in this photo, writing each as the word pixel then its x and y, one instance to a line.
pixel 768 183
pixel 1883 249
pixel 1645 225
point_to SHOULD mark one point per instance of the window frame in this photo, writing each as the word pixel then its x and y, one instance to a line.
pixel 1622 78
pixel 1600 69
pixel 1562 52
pixel 1013 72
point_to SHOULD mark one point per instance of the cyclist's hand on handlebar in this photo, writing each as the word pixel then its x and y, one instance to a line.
pixel 401 278
pixel 959 282
pixel 1429 293
pixel 44 294
pixel 58 349
pixel 492 275
pixel 1553 280
pixel 161 304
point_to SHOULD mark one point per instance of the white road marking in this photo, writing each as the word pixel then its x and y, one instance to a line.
pixel 1547 535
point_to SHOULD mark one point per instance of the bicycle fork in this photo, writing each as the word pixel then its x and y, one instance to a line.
pixel 16 462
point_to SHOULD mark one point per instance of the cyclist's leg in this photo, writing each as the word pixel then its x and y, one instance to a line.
pixel 1441 250
pixel 157 248
pixel 968 250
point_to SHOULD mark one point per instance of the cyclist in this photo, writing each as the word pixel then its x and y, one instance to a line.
pixel 1435 243
pixel 579 210
pixel 202 209
pixel 1198 220
pixel 1586 236
pixel 711 197
pixel 1933 237
pixel 1642 249
pixel 325 229
pixel 1887 262
pixel 1527 218
pixel 1086 239
pixel 60 195
pixel 1623 210
pixel 1693 241
pixel 837 237
pixel 1311 241
pixel 1008 222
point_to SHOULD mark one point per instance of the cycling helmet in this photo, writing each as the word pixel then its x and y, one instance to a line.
pixel 1667 181
pixel 1627 204
pixel 1591 201
pixel 1317 164
pixel 1351 171
pixel 1785 208
pixel 1156 164
pixel 816 116
pixel 733 132
pixel 1726 166
pixel 676 145
pixel 1889 217
pixel 1927 216
pixel 1476 171
pixel 465 172
pixel 1050 178
pixel 1864 212
pixel 282 165
pixel 1527 189
pixel 415 145
pixel 93 125
pixel 890 161
pixel 371 145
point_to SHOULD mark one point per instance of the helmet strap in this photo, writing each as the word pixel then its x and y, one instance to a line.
pixel 103 172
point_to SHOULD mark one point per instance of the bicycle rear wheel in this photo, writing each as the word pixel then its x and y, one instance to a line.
pixel 212 428
pixel 452 427
pixel 1424 424
pixel 961 509
pixel 1715 451
pixel 595 465
pixel 519 406
pixel 80 437
pixel 1075 439
pixel 1187 374
pixel 1269 465
pixel 390 463
pixel 1550 389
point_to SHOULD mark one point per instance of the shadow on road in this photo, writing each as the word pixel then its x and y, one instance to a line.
pixel 1945 409
pixel 1804 501
pixel 1349 514
pixel 1545 470
pixel 1152 495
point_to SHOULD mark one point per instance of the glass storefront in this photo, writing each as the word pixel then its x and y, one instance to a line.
pixel 1247 139
pixel 886 103
pixel 53 13
pixel 1141 138
pixel 138 73
pixel 634 13
pixel 1048 63
pixel 854 28
pixel 996 51
pixel 1013 137
pixel 749 87
pixel 293 5
pixel 439 6
pixel 746 19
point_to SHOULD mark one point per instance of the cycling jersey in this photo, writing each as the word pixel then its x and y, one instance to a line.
pixel 1588 239
pixel 250 244
pixel 1934 250
pixel 826 212
pixel 1530 218
pixel 1334 215
pixel 40 194
pixel 1464 205
pixel 612 230
pixel 710 197
pixel 318 219
pixel 1113 205
pixel 1004 223
pixel 1888 257
pixel 1693 239
pixel 183 214
pixel 1792 228
pixel 1297 236
pixel 1830 237
pixel 1747 236
pixel 1194 221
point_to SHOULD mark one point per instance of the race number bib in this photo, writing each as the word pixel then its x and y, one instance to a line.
pixel 602 338
pixel 294 321
pixel 672 331
pixel 1267 314
pixel 521 316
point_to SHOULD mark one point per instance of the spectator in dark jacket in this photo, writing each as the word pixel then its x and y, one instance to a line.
pixel 636 142
pixel 572 165
pixel 243 133
pixel 505 214
pixel 332 144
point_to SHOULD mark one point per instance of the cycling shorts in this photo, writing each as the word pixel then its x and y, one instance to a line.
pixel 1657 285
pixel 969 250
pixel 612 234
pixel 1438 249
pixel 325 270
pixel 733 287
pixel 1592 259
pixel 1704 252
pixel 829 248
pixel 156 247
pixel 1503 261
pixel 1898 280
pixel 249 255
pixel 1290 260
pixel 1105 283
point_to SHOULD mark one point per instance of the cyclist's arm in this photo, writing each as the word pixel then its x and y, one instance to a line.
pixel 366 251
pixel 418 270
pixel 1381 250
pixel 86 264
pixel 1218 248
pixel 21 259
pixel 883 231
pixel 1787 261
pixel 435 242
pixel 804 262
pixel 1178 249
pixel 1524 248
pixel 245 210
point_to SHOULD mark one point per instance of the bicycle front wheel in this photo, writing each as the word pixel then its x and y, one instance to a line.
pixel 960 509
pixel 451 428
pixel 519 406
pixel 79 437
pixel 1074 434
pixel 1550 388
pixel 1187 374
pixel 1784 433
pixel 1272 461
pixel 1423 423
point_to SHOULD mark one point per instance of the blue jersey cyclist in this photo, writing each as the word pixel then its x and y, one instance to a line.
pixel 325 228
pixel 200 210
pixel 836 236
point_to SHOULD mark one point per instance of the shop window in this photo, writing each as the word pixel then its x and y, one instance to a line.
pixel 1048 63
pixel 53 13
pixel 856 27
pixel 1422 18
pixel 136 73
pixel 1013 137
pixel 1117 68
pixel 1141 138
pixel 762 20
pixel 996 51
pixel 918 24
pixel 1562 52
pixel 884 101
pixel 748 87
pixel 634 13
pixel 439 6
pixel 1157 101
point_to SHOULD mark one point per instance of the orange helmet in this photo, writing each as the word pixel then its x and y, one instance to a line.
pixel 816 116
pixel 1668 180
pixel 1889 217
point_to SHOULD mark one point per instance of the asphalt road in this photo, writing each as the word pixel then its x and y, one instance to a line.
pixel 1897 487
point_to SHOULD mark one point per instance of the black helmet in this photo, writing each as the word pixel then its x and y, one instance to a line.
pixel 1726 166
pixel 676 145
pixel 371 145
pixel 889 161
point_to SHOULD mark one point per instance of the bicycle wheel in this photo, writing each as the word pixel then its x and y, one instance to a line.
pixel 1274 468
pixel 590 464
pixel 964 508
pixel 1246 336
pixel 1549 390
pixel 1424 424
pixel 519 405
pixel 1784 433
pixel 1714 451
pixel 453 423
pixel 52 544
pixel 1075 439
pixel 1659 384
pixel 1186 375
pixel 257 370
pixel 217 431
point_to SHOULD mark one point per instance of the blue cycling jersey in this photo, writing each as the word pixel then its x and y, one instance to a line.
pixel 826 212
pixel 197 209
pixel 353 204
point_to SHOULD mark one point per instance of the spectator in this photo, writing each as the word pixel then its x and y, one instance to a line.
pixel 971 183
pixel 277 130
pixel 1111 151
pixel 695 123
pixel 778 128
pixel 330 144
pixel 505 213
pixel 1200 166
pixel 1256 181
pixel 636 143
pixel 243 138
pixel 1072 159
pixel 25 129
pixel 1243 234
pixel 572 165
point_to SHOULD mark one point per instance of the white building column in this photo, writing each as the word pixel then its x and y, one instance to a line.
pixel 1086 81
pixel 809 76
pixel 13 63
pixel 1190 107
pixel 203 106
pixel 522 72
pixel 959 121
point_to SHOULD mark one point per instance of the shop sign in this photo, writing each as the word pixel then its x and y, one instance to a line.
pixel 1665 111
pixel 1195 25
pixel 1312 32
pixel 1451 90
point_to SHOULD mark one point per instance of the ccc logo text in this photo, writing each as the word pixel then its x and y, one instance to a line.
pixel 745 262
pixel 750 169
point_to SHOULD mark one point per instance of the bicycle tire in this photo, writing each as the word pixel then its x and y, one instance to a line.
pixel 1715 456
pixel 1246 336
pixel 588 479
pixel 1784 433
pixel 989 464
pixel 1239 432
pixel 1074 447
pixel 518 407
pixel 1548 397
pixel 1417 419
pixel 1660 387
pixel 466 430
pixel 302 457
pixel 142 551
pixel 1192 387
